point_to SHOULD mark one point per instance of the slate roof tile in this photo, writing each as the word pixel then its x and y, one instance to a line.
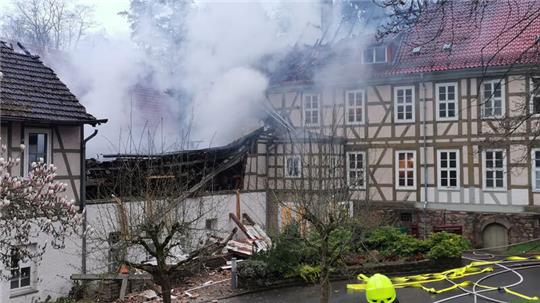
pixel 31 91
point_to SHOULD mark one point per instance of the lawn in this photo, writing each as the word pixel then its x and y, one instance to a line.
pixel 525 248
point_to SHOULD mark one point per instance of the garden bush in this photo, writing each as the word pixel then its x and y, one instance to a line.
pixel 390 241
pixel 254 270
pixel 443 245
pixel 291 256
pixel 309 273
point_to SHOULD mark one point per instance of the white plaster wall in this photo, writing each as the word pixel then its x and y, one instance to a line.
pixel 103 218
pixel 50 276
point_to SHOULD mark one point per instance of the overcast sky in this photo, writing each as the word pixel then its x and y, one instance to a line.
pixel 106 15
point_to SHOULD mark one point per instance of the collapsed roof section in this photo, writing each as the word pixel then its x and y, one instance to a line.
pixel 189 172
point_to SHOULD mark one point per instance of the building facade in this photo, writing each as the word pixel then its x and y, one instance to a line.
pixel 442 136
pixel 38 111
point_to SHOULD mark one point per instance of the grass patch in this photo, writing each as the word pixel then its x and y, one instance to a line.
pixel 530 248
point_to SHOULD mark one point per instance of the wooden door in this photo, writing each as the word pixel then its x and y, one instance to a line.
pixel 495 235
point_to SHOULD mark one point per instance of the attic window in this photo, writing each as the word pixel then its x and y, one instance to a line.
pixel 416 50
pixel 537 41
pixel 376 54
pixel 447 47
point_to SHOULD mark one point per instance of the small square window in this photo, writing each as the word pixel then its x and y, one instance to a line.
pixel 293 166
pixel 376 54
pixel 211 224
pixel 405 217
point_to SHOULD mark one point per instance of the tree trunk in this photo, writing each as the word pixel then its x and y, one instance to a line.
pixel 165 289
pixel 164 276
pixel 324 279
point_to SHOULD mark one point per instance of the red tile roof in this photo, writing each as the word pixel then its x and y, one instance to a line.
pixel 501 33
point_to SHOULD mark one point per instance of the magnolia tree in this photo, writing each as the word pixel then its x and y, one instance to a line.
pixel 33 212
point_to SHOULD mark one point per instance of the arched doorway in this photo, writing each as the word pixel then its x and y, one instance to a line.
pixel 495 235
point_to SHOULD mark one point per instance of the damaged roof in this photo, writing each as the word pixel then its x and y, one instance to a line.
pixel 31 91
pixel 501 33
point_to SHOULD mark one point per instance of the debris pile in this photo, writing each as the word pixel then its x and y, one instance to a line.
pixel 206 286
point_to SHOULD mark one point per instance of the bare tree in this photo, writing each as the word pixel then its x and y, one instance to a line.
pixel 321 197
pixel 157 221
pixel 47 24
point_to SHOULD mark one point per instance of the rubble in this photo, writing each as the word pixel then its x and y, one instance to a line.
pixel 207 286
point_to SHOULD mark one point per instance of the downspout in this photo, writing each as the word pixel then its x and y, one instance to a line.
pixel 424 125
pixel 424 146
pixel 82 205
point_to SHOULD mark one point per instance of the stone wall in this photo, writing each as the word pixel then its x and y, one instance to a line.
pixel 520 226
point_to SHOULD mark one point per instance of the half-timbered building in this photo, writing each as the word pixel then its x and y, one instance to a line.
pixel 438 127
pixel 38 110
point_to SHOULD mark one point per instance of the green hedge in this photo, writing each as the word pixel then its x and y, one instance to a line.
pixel 291 256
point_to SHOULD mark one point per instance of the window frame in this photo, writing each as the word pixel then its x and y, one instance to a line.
pixel 503 99
pixel 285 166
pixel 456 101
pixel 413 104
pixel 374 54
pixel 532 94
pixel 348 107
pixel 440 169
pixel 31 287
pixel 363 169
pixel 484 170
pixel 397 170
pixel 304 110
pixel 27 133
pixel 534 170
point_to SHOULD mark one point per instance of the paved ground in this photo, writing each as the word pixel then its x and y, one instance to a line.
pixel 530 286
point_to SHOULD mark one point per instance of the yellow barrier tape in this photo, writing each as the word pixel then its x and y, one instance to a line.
pixel 521 295
pixel 469 270
pixel 516 258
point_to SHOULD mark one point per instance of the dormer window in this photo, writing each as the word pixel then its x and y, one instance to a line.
pixel 375 54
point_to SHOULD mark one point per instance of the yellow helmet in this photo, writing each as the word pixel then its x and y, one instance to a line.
pixel 379 289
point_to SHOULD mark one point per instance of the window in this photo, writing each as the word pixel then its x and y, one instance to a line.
pixel 355 106
pixel 21 272
pixel 211 224
pixel 405 217
pixel 494 169
pixel 293 166
pixel 535 95
pixel 404 104
pixel 447 101
pixel 492 99
pixel 448 168
pixel 375 54
pixel 311 109
pixel 356 169
pixel 535 157
pixel 37 147
pixel 406 170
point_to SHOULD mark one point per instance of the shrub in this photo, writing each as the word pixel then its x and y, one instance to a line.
pixel 390 241
pixel 445 245
pixel 309 273
pixel 252 269
pixel 288 252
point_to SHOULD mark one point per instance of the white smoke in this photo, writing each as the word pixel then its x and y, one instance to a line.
pixel 214 69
